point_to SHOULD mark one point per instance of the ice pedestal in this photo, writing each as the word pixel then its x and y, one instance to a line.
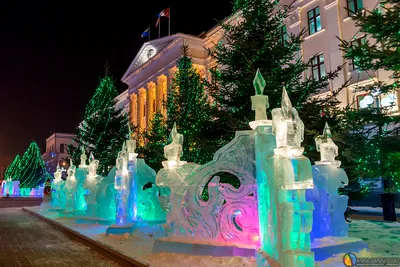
pixel 329 210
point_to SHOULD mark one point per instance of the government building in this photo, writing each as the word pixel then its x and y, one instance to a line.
pixel 151 71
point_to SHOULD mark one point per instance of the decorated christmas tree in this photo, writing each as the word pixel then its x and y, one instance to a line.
pixel 13 170
pixel 154 139
pixel 189 108
pixel 104 129
pixel 254 38
pixel 375 48
pixel 32 168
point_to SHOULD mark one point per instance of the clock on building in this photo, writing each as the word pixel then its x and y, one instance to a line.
pixel 150 53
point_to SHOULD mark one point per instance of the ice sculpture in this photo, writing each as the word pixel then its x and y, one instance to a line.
pixel 173 151
pixel 134 184
pixel 329 209
pixel 327 148
pixel 283 177
pixel 288 129
pixel 122 186
pixel 259 102
pixel 229 216
pixel 58 193
pixel 289 133
pixel 90 188
pixel 83 158
pixel 10 187
pixel 70 190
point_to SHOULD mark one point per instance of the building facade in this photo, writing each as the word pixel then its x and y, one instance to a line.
pixel 153 68
pixel 56 151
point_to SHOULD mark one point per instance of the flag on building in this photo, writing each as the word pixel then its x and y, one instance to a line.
pixel 146 32
pixel 164 13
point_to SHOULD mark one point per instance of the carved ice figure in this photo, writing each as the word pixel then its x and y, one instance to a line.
pixel 329 210
pixel 83 158
pixel 288 129
pixel 173 151
pixel 57 186
pixel 259 102
pixel 70 189
pixel 93 165
pixel 122 187
pixel 90 188
pixel 327 148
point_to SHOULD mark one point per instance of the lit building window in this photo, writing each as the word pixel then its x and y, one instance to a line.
pixel 314 21
pixel 318 67
pixel 355 43
pixel 354 6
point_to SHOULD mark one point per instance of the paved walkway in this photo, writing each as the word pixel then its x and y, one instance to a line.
pixel 28 241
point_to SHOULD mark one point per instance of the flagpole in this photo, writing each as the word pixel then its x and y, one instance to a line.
pixel 169 22
pixel 159 27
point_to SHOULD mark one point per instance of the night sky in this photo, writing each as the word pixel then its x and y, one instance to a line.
pixel 53 54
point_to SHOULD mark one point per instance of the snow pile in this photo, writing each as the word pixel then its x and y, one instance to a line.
pixel 370 209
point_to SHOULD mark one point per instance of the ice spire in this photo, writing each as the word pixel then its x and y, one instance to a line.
pixel 129 131
pixel 327 148
pixel 327 131
pixel 58 166
pixel 91 158
pixel 259 83
pixel 286 105
pixel 173 151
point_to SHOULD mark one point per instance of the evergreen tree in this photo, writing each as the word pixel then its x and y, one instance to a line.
pixel 373 125
pixel 154 139
pixel 188 106
pixel 13 169
pixel 258 40
pixel 32 168
pixel 104 129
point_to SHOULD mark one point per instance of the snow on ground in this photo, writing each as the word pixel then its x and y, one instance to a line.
pixel 383 239
pixel 370 209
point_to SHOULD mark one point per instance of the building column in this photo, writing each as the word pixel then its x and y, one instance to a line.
pixel 134 109
pixel 170 77
pixel 142 110
pixel 151 102
pixel 162 94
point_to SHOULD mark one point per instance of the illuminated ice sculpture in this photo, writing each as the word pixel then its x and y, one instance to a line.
pixel 228 216
pixel 134 180
pixel 75 201
pixel 70 191
pixel 58 193
pixel 327 148
pixel 91 186
pixel 10 187
pixel 283 177
pixel 259 102
pixel 329 209
pixel 173 151
pixel 83 158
